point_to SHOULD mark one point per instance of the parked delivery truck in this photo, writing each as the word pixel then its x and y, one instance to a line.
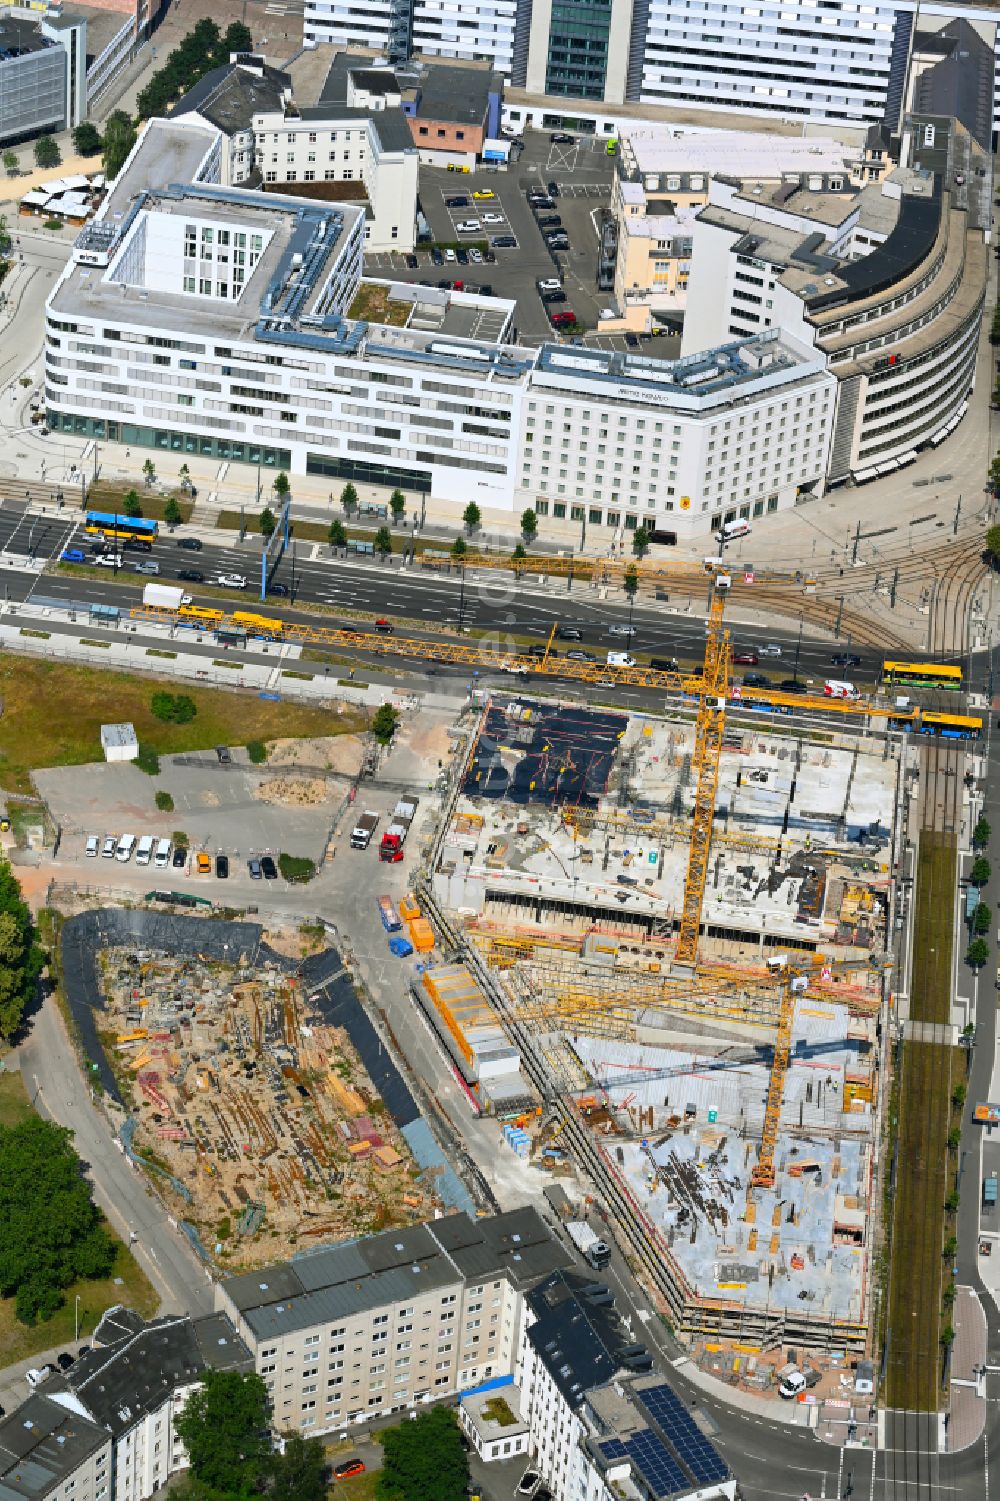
pixel 364 827
pixel 164 596
pixel 394 837
pixel 590 1245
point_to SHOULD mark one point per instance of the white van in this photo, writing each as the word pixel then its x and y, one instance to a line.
pixel 144 853
pixel 126 845
pixel 162 857
pixel 620 659
pixel 93 847
pixel 733 529
pixel 468 226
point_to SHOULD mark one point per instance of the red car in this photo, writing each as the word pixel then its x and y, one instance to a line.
pixel 348 1468
pixel 560 319
pixel 383 626
pixel 745 658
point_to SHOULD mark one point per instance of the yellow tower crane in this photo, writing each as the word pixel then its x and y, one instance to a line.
pixel 710 728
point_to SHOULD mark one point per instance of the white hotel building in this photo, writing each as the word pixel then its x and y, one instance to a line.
pixel 212 321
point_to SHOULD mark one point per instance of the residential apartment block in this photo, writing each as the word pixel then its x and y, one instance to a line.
pixel 50 1454
pixel 377 1325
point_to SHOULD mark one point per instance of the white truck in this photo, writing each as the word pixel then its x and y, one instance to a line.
pixel 364 828
pixel 403 814
pixel 591 1247
pixel 163 596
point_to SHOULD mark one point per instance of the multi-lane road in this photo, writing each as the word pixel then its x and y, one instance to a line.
pixel 496 607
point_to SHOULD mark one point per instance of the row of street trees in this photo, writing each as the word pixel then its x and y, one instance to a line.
pixel 982 916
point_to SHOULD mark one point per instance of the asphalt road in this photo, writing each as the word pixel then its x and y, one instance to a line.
pixel 52 1077
pixel 496 607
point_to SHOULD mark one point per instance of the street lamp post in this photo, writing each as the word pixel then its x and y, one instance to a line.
pixel 76 1318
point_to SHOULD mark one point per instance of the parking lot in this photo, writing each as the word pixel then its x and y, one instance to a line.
pixel 582 174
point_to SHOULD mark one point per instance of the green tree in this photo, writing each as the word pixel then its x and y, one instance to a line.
pixel 980 872
pixel 950 1247
pixel 472 516
pixel 947 1336
pixel 47 153
pixel 349 499
pixel 131 505
pixel 993 535
pixel 529 525
pixel 640 541
pixel 383 542
pixel 981 833
pixel 982 917
pixel 423 1460
pixel 952 1201
pixel 5 241
pixel 20 956
pixel 11 165
pixel 268 521
pixel 149 471
pixel 53 1232
pixel 384 722
pixel 236 39
pixel 281 486
pixel 954 1138
pixel 958 1095
pixel 397 505
pixel 225 1428
pixel 301 1473
pixel 337 535
pixel 518 556
pixel 87 139
pixel 979 952
pixel 630 581
pixel 172 514
pixel 119 138
pixel 459 548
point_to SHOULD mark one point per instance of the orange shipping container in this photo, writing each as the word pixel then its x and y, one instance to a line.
pixel 408 907
pixel 421 935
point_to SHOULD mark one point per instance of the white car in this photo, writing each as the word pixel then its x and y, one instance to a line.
pixel 449 255
pixel 231 580
pixel 93 847
pixel 549 284
pixel 468 226
pixel 109 847
pixel 187 599
pixel 110 560
pixel 770 650
pixel 621 630
pixel 493 218
pixel 476 256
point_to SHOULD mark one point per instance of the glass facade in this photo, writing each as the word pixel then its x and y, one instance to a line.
pixel 368 473
pixel 157 437
pixel 578 48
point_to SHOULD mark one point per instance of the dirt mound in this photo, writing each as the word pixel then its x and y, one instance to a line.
pixel 294 792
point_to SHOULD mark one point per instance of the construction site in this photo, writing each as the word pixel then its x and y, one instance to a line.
pixel 251 1110
pixel 690 921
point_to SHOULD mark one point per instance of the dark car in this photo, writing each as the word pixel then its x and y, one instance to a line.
pixel 136 544
pixel 253 866
pixel 437 257
pixel 486 290
pixel 504 242
pixel 845 659
pixel 445 285
pixel 538 650
pixel 553 188
pixel 280 591
pixel 456 202
pixel 180 857
pixel 580 656
pixel 569 633
pixel 191 575
pixel 551 298
pixel 193 544
pixel 269 868
pixel 632 340
pixel 560 243
pixel 792 685
pixel 224 755
pixel 746 658
pixel 550 221
pixel 222 867
pixel 756 680
pixel 65 1360
pixel 541 203
pixel 562 138
pixel 462 256
pixel 412 262
pixel 489 257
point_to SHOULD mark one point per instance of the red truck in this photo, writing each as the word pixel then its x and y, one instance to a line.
pixel 403 814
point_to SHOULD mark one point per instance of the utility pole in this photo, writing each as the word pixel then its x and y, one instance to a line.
pixel 840 616
pixel 857 542
pixel 892 588
pixel 958 512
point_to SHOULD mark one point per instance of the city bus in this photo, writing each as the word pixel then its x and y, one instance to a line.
pixel 949 726
pixel 921 675
pixel 120 528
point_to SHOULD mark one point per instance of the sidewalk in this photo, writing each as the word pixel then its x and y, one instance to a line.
pixel 967 1414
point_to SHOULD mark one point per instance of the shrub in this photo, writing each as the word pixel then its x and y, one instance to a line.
pixel 257 751
pixel 179 837
pixel 173 708
pixel 172 512
pixel 337 535
pixel 87 139
pixel 148 761
pixel 164 802
pixel 384 722
pixel 298 869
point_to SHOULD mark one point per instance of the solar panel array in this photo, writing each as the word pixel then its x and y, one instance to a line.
pixel 661 1473
pixel 672 1417
pixel 613 1448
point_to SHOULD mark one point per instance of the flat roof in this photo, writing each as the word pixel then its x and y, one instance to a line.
pixel 730 153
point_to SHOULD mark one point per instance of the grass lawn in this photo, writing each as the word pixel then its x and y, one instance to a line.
pixel 17 1342
pixel 108 496
pixel 918 1223
pixel 357 1488
pixel 373 304
pixel 53 713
